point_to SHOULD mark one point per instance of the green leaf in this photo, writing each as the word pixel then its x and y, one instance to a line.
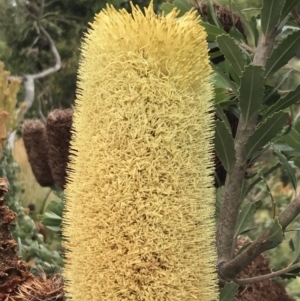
pixel 271 91
pixel 224 145
pixel 166 8
pixel 228 292
pixel 232 53
pixel 284 102
pixel 221 115
pixel 212 31
pixel 296 244
pixel 287 167
pixel 223 81
pixel 270 15
pixel 251 91
pixel 297 161
pixel 247 26
pixel 52 215
pixel 221 96
pixel 287 8
pixel 275 235
pixel 265 132
pixel 245 217
pixel 282 53
pixel 183 5
pixel 211 14
pixel 292 139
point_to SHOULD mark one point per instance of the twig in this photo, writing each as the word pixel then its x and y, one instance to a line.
pixel 288 67
pixel 233 267
pixel 267 276
pixel 234 181
pixel 29 79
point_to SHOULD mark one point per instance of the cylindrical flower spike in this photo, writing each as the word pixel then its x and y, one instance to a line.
pixel 36 145
pixel 59 123
pixel 139 213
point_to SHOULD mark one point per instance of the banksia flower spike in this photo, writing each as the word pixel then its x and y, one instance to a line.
pixel 36 145
pixel 59 123
pixel 139 212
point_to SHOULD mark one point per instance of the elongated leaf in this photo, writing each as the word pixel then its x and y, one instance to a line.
pixel 275 89
pixel 222 81
pixel 288 100
pixel 297 161
pixel 211 14
pixel 245 217
pixel 296 244
pixel 270 15
pixel 183 5
pixel 270 194
pixel 248 28
pixel 292 139
pixel 275 235
pixel 260 178
pixel 224 145
pixel 232 53
pixel 220 113
pixel 222 97
pixel 212 31
pixel 283 52
pixel 251 91
pixel 229 291
pixel 265 132
pixel 166 8
pixel 287 167
pixel 288 6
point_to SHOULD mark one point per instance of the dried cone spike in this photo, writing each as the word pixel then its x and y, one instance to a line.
pixel 144 226
pixel 13 271
pixel 59 123
pixel 40 288
pixel 36 145
pixel 226 17
pixel 267 290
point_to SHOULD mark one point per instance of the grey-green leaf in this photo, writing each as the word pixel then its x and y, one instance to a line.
pixel 223 81
pixel 183 5
pixel 270 15
pixel 245 217
pixel 288 6
pixel 232 53
pixel 296 244
pixel 229 291
pixel 292 139
pixel 282 53
pixel 275 235
pixel 212 31
pixel 166 8
pixel 287 167
pixel 284 102
pixel 251 91
pixel 247 26
pixel 222 116
pixel 265 132
pixel 224 145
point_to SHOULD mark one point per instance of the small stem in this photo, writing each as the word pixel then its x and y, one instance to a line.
pixel 267 276
pixel 234 181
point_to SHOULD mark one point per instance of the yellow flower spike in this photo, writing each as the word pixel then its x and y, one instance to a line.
pixel 139 212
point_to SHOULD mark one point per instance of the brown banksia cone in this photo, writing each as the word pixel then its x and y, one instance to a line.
pixel 36 145
pixel 261 291
pixel 13 272
pixel 226 17
pixel 59 123
pixel 39 288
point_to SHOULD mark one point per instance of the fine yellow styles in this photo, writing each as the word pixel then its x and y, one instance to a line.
pixel 139 213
